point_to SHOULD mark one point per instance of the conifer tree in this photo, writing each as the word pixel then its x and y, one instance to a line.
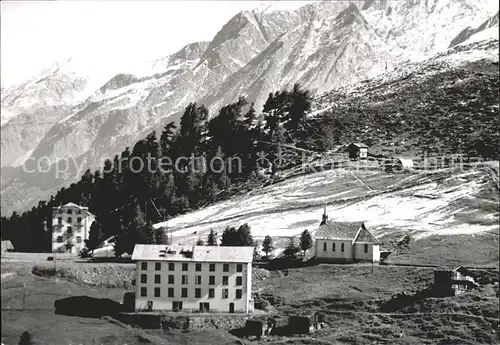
pixel 299 103
pixel 211 190
pixel 250 135
pixel 144 163
pixel 166 193
pixel 180 205
pixel 256 254
pixel 25 339
pixel 85 188
pixel 160 236
pixel 245 235
pixel 306 241
pixel 127 187
pixel 240 237
pixel 212 239
pixel 219 171
pixel 267 245
pixel 166 139
pixel 135 231
pixel 95 234
pixel 192 126
pixel 229 237
pixel 291 250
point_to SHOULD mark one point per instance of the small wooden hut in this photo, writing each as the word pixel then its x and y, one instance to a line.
pixel 305 322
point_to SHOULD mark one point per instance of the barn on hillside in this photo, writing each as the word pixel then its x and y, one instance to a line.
pixel 357 151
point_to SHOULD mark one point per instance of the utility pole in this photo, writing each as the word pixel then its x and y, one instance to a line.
pixel 45 231
pixel 24 295
pixel 55 267
pixel 164 218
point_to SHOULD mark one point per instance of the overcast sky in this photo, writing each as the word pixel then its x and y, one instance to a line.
pixel 116 33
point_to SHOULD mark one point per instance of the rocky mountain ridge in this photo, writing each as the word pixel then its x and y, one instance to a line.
pixel 468 32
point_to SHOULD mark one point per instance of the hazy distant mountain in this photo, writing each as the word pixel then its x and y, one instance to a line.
pixel 66 113
pixel 491 24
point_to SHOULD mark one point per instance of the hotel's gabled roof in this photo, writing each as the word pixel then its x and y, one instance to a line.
pixel 161 252
pixel 73 205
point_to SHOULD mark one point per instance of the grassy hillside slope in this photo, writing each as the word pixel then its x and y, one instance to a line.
pixel 447 103
pixel 443 202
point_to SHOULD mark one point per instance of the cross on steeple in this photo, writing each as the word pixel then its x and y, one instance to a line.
pixel 324 218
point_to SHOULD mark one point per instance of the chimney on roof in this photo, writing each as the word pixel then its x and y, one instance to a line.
pixel 187 253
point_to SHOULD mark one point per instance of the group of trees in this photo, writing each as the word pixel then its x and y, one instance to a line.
pixel 186 167
pixel 242 236
pixel 230 237
pixel 291 251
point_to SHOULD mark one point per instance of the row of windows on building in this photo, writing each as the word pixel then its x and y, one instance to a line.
pixel 185 267
pixel 69 230
pixel 238 293
pixel 197 279
pixel 59 239
pixel 70 220
pixel 341 247
pixel 70 211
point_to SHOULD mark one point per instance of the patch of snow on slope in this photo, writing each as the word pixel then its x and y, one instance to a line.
pixel 313 40
pixel 490 33
pixel 20 161
pixel 127 100
pixel 459 229
pixel 273 211
pixel 461 57
pixel 7 115
pixel 122 98
pixel 133 88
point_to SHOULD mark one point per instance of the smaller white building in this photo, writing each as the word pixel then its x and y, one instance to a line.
pixel 70 227
pixel 7 246
pixel 399 164
pixel 345 242
pixel 106 249
pixel 193 279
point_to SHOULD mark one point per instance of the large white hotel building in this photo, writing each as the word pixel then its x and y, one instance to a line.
pixel 70 227
pixel 193 279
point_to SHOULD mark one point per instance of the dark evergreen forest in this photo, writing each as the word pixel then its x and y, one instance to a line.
pixel 189 165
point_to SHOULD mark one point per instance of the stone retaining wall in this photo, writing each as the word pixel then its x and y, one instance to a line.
pixel 165 322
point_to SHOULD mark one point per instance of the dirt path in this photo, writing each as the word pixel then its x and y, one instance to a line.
pixel 361 181
pixel 7 275
pixel 402 315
